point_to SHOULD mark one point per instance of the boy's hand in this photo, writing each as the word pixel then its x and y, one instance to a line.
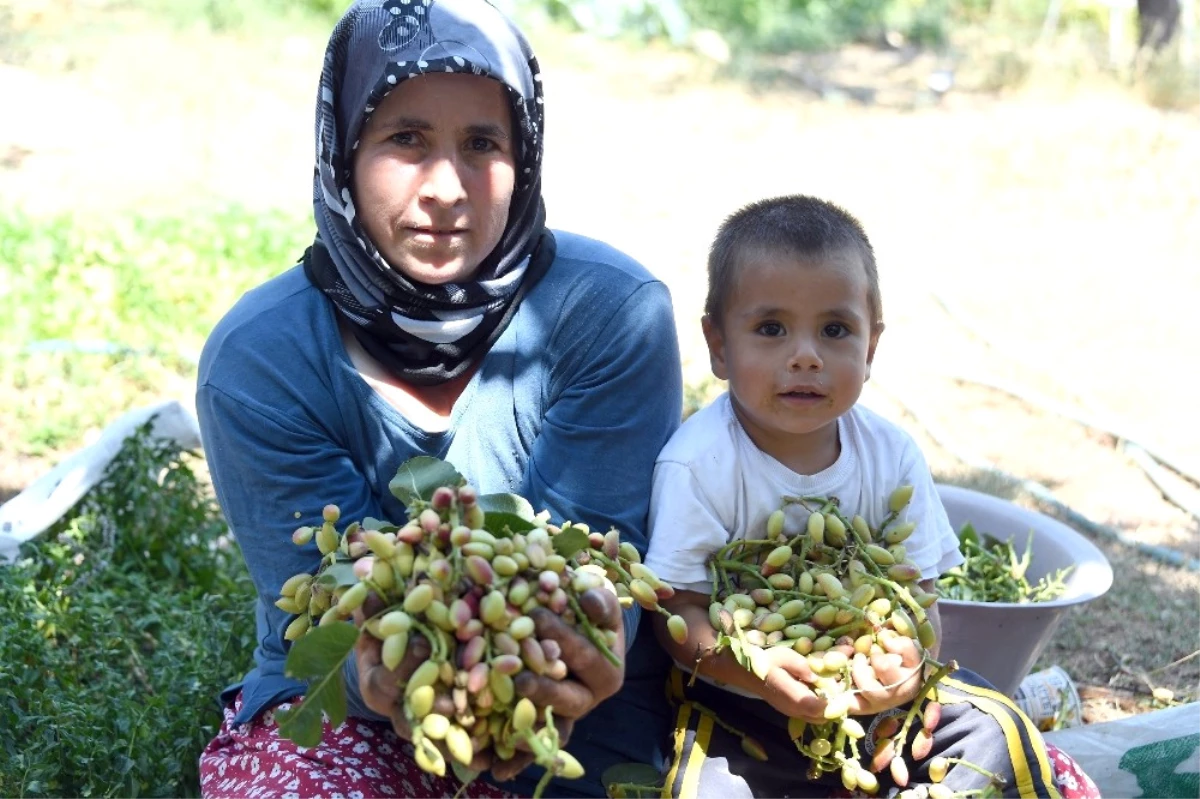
pixel 889 679
pixel 787 686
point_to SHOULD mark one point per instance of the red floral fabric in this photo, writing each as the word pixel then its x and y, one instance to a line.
pixel 357 760
pixel 366 759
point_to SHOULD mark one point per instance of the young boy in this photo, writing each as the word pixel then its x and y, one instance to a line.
pixel 792 321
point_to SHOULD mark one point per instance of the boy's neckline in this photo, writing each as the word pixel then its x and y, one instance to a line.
pixel 827 462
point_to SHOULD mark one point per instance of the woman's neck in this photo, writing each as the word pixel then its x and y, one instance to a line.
pixel 427 407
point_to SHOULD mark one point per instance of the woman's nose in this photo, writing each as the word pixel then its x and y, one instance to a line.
pixel 443 184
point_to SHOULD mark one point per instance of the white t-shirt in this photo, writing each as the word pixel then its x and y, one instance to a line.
pixel 713 485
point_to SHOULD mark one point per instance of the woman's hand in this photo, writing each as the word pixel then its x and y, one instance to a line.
pixel 382 688
pixel 592 678
pixel 888 679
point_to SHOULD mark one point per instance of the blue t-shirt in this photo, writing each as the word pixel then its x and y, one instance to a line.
pixel 568 409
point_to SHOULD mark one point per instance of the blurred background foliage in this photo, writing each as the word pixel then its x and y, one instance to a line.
pixel 745 28
pixel 788 25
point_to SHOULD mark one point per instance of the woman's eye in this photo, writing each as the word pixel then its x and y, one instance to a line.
pixel 481 145
pixel 405 138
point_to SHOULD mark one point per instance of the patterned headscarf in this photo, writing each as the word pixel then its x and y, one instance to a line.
pixel 424 334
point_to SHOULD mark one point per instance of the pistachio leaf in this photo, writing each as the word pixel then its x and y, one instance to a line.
pixel 569 541
pixel 506 514
pixel 465 775
pixel 417 478
pixel 335 576
pixel 371 523
pixel 505 525
pixel 318 657
pixel 507 503
pixel 735 646
pixel 642 775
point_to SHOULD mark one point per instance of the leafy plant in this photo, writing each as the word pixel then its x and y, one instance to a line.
pixel 120 626
pixel 993 572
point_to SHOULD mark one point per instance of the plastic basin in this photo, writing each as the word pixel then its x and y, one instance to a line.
pixel 1002 640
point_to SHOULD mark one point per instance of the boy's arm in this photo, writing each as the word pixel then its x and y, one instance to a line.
pixel 786 685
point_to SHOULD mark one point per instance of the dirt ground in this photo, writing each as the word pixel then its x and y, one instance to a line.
pixel 1038 253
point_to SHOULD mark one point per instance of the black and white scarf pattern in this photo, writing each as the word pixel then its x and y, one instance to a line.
pixel 423 334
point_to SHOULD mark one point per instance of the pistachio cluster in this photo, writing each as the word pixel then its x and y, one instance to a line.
pixel 466 580
pixel 834 592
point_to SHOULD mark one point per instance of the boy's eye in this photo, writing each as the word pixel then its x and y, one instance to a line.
pixel 771 329
pixel 836 330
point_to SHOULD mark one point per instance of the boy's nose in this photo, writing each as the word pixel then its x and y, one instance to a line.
pixel 804 357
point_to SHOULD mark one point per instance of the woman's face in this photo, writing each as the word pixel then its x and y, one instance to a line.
pixel 433 175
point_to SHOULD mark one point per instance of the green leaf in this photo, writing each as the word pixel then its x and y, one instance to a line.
pixel 318 657
pixel 507 503
pixel 569 541
pixel 506 525
pixel 641 774
pixel 417 478
pixel 371 523
pixel 506 514
pixel 465 775
pixel 337 575
pixel 320 651
pixel 735 646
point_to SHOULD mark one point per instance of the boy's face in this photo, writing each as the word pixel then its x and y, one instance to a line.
pixel 796 346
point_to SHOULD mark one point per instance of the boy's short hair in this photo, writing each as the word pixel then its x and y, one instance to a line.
pixel 796 225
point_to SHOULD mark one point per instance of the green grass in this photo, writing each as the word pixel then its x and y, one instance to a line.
pixel 143 281
pixel 103 315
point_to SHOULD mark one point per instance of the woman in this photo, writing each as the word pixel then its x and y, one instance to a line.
pixel 435 314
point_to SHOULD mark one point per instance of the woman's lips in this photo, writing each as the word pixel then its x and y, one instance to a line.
pixel 437 234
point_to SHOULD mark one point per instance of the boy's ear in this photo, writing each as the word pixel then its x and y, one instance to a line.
pixel 716 347
pixel 876 332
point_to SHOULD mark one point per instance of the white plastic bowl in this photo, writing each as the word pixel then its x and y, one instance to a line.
pixel 1002 640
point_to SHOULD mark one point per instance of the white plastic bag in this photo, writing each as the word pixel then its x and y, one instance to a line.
pixel 45 501
pixel 1151 754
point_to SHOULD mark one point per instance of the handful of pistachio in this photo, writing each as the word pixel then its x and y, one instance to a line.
pixel 463 571
pixel 834 592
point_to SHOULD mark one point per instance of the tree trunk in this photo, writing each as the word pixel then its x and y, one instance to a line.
pixel 1158 20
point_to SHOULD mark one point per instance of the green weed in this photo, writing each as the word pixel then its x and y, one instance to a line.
pixel 120 625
